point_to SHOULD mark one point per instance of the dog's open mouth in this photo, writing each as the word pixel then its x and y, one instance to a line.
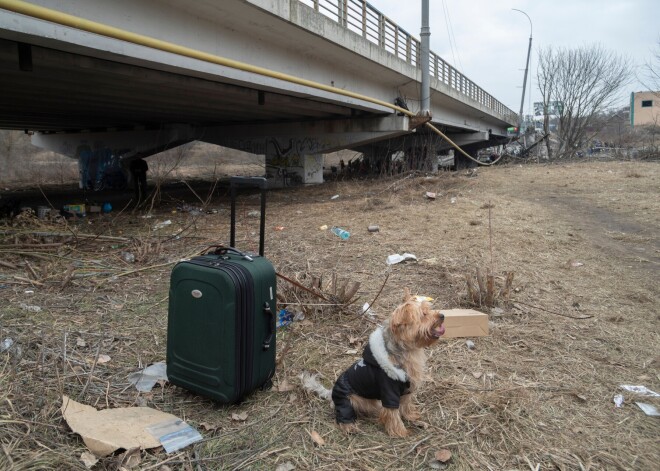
pixel 438 331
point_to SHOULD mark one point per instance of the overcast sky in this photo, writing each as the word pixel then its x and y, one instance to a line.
pixel 491 39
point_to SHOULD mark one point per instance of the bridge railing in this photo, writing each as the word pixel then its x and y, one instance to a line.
pixel 360 17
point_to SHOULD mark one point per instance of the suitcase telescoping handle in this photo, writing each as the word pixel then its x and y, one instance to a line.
pixel 258 182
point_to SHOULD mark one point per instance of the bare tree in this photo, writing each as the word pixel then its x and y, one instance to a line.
pixel 651 72
pixel 584 82
pixel 546 79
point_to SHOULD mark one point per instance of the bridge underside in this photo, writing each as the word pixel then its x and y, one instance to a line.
pixel 86 107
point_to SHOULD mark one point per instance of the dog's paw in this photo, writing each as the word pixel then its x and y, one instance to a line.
pixel 399 432
pixel 349 429
pixel 411 416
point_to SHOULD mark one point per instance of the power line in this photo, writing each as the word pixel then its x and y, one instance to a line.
pixel 452 37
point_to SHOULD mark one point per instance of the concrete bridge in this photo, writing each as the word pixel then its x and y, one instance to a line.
pixel 288 79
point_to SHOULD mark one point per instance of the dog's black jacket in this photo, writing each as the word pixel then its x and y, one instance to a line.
pixel 366 378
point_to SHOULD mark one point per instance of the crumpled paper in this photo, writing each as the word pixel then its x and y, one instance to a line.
pixel 105 431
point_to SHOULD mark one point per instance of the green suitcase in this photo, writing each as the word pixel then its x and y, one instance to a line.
pixel 221 319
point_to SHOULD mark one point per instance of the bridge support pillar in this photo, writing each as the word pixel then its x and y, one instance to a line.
pixel 287 170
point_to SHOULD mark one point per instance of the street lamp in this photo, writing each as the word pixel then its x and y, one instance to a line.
pixel 529 50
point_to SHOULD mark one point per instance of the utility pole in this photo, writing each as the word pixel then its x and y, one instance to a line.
pixel 425 34
pixel 529 50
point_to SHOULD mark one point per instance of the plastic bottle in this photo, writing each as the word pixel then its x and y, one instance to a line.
pixel 338 231
pixel 284 318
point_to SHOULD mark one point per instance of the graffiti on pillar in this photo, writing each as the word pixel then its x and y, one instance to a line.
pixel 314 168
pixel 283 156
pixel 100 167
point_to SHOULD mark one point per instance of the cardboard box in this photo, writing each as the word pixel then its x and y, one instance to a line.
pixel 465 323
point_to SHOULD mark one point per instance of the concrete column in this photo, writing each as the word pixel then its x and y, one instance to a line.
pixel 292 170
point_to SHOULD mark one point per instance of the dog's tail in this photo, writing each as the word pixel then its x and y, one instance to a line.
pixel 312 384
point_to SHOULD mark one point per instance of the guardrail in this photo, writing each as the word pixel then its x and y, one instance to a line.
pixel 361 18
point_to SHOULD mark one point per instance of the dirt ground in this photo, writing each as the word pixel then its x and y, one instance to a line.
pixel 581 240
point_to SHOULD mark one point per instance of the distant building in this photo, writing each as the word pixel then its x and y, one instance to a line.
pixel 644 108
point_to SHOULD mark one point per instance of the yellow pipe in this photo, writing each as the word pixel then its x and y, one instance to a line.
pixel 72 21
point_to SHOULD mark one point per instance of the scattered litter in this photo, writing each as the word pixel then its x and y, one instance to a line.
pixel 421 299
pixel 88 459
pixel 186 208
pixel 284 318
pixel 642 390
pixel 352 351
pixel 43 211
pixel 477 374
pixel 430 195
pixel 106 208
pixel 453 200
pixel 128 257
pixel 366 309
pixel 334 197
pixel 279 228
pixel 160 225
pixel 298 316
pixel 6 344
pixel 618 400
pixel 497 312
pixel 242 417
pixel 75 209
pixel 288 466
pixel 30 308
pixel 146 379
pixel 373 228
pixel 80 342
pixel 103 358
pixel 254 214
pixel 576 264
pixel 435 464
pixel 649 409
pixel 469 344
pixel 443 455
pixel 396 258
pixel 174 434
pixel 341 233
pixel 29 291
pixel 324 227
pixel 108 430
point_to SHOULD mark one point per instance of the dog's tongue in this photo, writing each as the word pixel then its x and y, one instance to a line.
pixel 439 332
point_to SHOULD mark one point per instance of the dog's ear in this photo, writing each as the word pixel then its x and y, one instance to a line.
pixel 406 314
pixel 406 295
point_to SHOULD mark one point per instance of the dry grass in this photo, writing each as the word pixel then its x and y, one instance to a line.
pixel 535 394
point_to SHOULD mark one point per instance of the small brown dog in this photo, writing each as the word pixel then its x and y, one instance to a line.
pixel 383 381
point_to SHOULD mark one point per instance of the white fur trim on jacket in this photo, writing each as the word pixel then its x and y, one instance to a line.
pixel 377 344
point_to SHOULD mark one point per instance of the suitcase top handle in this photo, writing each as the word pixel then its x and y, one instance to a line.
pixel 222 250
pixel 259 182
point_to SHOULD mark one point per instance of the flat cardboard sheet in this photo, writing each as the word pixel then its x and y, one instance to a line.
pixel 465 323
pixel 105 431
